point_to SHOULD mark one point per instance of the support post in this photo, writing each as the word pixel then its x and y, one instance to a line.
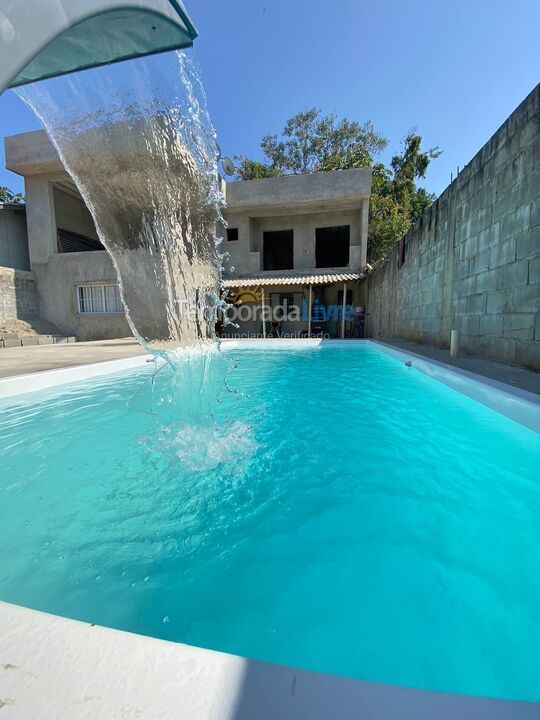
pixel 262 314
pixel 310 306
pixel 343 310
pixel 455 339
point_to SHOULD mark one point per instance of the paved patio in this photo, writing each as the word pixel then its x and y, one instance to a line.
pixel 24 360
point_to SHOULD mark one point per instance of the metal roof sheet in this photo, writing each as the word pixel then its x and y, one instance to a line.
pixel 321 278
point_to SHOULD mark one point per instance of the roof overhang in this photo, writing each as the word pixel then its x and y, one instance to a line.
pixel 290 279
pixel 338 190
pixel 32 153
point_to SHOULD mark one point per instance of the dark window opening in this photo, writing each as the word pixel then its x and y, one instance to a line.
pixel 278 250
pixel 332 246
pixel 73 242
pixel 232 234
pixel 348 300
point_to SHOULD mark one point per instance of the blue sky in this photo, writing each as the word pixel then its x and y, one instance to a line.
pixel 455 70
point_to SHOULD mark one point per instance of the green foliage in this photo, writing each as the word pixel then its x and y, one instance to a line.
pixel 8 196
pixel 387 222
pixel 396 202
pixel 311 142
pixel 253 170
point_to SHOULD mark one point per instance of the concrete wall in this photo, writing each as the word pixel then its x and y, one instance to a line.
pixel 301 203
pixel 40 218
pixel 18 294
pixel 472 261
pixel 246 254
pixel 73 215
pixel 57 274
pixel 56 281
pixel 309 191
pixel 13 238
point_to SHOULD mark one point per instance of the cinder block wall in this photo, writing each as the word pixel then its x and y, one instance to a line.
pixel 472 262
pixel 18 294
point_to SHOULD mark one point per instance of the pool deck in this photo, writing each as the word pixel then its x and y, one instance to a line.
pixel 24 360
pixel 21 361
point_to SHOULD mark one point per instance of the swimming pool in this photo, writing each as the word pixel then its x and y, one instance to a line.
pixel 341 512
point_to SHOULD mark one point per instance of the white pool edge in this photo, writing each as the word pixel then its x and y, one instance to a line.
pixel 52 666
pixel 516 404
pixel 32 382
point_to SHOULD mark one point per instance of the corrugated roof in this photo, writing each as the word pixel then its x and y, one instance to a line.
pixel 311 279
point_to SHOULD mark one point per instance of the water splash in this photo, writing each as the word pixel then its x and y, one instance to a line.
pixel 137 139
pixel 200 449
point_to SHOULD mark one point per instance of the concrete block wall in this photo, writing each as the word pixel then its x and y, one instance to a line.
pixel 18 294
pixel 472 262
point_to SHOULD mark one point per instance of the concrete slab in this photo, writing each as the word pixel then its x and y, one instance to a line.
pixel 23 360
pixel 513 375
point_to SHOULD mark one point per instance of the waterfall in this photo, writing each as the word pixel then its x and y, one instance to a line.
pixel 137 140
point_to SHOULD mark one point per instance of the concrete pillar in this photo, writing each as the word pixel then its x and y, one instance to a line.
pixel 364 232
pixel 40 218
pixel 310 310
pixel 343 305
pixel 455 340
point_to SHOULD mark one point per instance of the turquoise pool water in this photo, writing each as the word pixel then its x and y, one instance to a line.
pixel 343 513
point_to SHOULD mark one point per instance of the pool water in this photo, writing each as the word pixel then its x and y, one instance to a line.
pixel 327 508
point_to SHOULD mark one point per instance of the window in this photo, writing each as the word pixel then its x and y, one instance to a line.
pixel 278 250
pixel 98 299
pixel 73 242
pixel 232 234
pixel 332 246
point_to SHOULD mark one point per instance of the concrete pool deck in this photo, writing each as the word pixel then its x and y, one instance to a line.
pixel 24 360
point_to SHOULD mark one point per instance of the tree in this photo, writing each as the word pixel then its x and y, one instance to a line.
pixel 396 202
pixel 253 170
pixel 387 223
pixel 8 196
pixel 311 142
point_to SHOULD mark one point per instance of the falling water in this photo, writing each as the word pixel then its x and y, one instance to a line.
pixel 137 140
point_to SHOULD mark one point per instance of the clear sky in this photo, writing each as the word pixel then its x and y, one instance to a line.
pixel 455 69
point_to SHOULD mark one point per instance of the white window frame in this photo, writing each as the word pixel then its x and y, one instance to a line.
pixel 79 290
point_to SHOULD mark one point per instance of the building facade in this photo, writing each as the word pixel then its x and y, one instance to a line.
pixel 297 249
pixel 289 239
pixel 74 275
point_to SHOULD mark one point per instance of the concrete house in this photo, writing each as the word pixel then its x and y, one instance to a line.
pixel 289 239
pixel 74 275
pixel 297 241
